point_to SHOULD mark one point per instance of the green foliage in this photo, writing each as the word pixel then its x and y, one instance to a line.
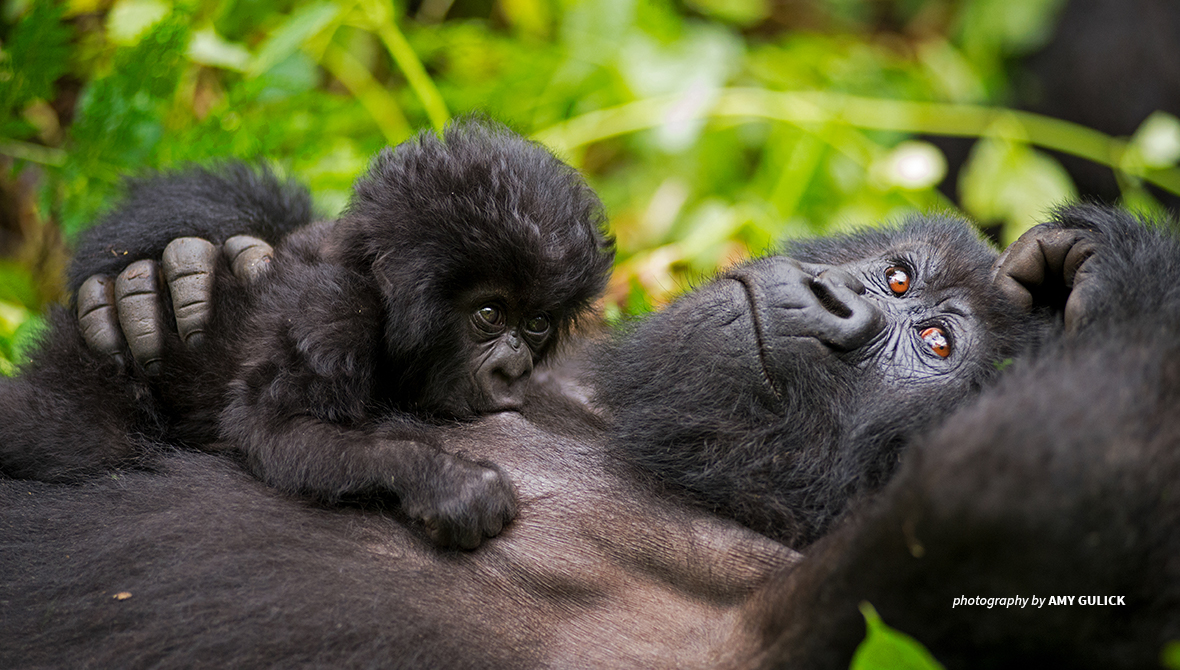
pixel 121 119
pixel 19 324
pixel 34 56
pixel 1010 183
pixel 1170 656
pixel 709 129
pixel 887 649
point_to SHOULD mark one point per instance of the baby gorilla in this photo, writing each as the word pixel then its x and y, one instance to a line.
pixel 457 267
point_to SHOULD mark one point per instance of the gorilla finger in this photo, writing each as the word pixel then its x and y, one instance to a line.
pixel 98 317
pixel 1041 257
pixel 493 524
pixel 137 294
pixel 188 264
pixel 1078 254
pixel 1080 306
pixel 249 257
pixel 442 533
pixel 467 536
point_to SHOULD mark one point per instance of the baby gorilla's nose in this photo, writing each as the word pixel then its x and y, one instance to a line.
pixel 503 377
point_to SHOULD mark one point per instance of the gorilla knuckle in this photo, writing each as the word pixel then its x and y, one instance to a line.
pixel 188 264
pixel 98 317
pixel 249 257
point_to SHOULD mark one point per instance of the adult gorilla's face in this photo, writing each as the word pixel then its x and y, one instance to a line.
pixel 834 354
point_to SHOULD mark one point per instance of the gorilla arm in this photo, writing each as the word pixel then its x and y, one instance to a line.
pixel 81 406
pixel 304 406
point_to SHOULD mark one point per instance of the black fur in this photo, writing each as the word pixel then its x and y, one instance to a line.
pixel 215 204
pixel 1060 480
pixel 789 466
pixel 328 372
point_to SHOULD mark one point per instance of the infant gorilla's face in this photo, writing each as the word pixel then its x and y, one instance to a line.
pixel 502 339
pixel 496 339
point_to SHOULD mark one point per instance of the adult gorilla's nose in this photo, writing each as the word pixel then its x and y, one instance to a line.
pixel 795 300
pixel 845 320
pixel 836 275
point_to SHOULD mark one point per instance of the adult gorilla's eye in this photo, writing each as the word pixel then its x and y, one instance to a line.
pixel 936 339
pixel 538 325
pixel 489 317
pixel 898 279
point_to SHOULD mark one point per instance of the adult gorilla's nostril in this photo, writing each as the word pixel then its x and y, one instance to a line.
pixel 838 276
pixel 824 296
pixel 847 320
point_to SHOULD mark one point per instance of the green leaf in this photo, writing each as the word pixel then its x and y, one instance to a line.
pixel 130 19
pixel 19 330
pixel 740 12
pixel 530 17
pixel 16 285
pixel 26 338
pixel 1009 182
pixel 35 55
pixel 1170 655
pixel 1009 26
pixel 1158 140
pixel 209 48
pixel 887 649
pixel 300 27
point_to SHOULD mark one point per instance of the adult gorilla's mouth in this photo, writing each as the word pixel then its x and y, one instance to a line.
pixel 792 302
pixel 759 333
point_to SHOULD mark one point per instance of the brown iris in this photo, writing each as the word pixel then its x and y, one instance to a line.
pixel 898 279
pixel 936 339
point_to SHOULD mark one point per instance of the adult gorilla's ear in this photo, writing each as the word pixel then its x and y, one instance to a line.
pixel 1047 268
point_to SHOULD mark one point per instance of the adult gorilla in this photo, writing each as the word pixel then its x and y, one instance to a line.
pixel 759 398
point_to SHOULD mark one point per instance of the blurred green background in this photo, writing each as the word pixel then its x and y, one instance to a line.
pixel 710 128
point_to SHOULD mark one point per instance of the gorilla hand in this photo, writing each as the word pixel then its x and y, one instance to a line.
pixel 1047 268
pixel 458 501
pixel 128 312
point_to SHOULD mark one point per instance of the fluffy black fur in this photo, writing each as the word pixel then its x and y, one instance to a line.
pixel 1059 480
pixel 1062 481
pixel 460 263
pixel 72 412
pixel 214 204
pixel 788 462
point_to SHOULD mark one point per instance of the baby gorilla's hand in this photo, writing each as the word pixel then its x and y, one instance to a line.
pixel 459 502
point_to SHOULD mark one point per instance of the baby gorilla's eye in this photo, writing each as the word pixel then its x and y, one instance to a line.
pixel 898 279
pixel 538 325
pixel 489 317
pixel 936 339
